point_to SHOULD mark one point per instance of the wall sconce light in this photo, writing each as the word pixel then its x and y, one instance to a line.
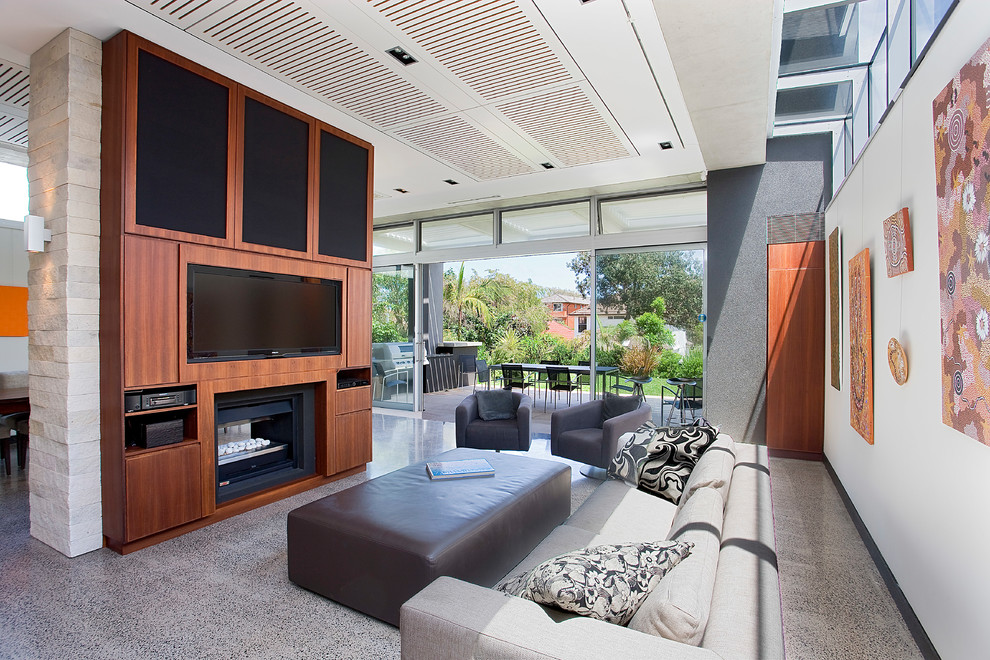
pixel 35 234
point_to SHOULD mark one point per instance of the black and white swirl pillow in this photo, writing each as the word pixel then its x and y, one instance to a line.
pixel 606 582
pixel 632 454
pixel 690 442
pixel 665 476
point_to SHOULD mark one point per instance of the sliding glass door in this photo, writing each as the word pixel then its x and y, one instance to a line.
pixel 648 327
pixel 393 332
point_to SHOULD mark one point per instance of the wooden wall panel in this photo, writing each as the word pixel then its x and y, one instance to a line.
pixel 151 296
pixel 163 490
pixel 796 348
pixel 151 495
pixel 353 442
pixel 357 311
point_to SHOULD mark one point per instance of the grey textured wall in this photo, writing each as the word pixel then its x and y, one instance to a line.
pixel 795 179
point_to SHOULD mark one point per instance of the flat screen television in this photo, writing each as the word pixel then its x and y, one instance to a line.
pixel 236 314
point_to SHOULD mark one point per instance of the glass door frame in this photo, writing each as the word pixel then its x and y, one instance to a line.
pixel 415 387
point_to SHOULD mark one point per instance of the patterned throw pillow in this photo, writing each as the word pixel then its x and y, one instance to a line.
pixel 632 454
pixel 665 476
pixel 690 442
pixel 607 582
pixel 659 460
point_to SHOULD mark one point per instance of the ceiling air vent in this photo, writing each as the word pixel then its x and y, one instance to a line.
pixel 799 228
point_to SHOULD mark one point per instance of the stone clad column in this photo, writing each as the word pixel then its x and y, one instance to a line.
pixel 64 294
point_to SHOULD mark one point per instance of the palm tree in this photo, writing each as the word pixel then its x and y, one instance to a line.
pixel 462 297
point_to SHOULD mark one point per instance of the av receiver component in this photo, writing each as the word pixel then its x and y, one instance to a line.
pixel 152 400
pixel 345 383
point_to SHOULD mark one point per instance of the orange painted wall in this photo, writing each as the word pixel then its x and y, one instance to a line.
pixel 13 311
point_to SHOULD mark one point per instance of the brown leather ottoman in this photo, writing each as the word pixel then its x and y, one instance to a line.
pixel 373 546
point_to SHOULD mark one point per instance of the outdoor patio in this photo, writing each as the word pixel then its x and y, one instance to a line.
pixel 440 406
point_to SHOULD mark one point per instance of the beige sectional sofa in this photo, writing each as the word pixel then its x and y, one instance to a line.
pixel 722 601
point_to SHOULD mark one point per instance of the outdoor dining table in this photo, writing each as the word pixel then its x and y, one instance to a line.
pixel 581 369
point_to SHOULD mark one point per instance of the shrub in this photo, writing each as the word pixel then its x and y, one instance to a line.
pixel 693 365
pixel 670 364
pixel 386 331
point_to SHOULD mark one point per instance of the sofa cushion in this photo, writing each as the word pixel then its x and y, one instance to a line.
pixel 618 512
pixel 713 470
pixel 679 606
pixel 496 404
pixel 634 448
pixel 607 582
pixel 745 620
pixel 615 405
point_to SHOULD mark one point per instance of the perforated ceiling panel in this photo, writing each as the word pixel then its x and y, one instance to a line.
pixel 465 147
pixel 14 86
pixel 568 125
pixel 529 101
pixel 182 13
pixel 300 48
pixel 492 46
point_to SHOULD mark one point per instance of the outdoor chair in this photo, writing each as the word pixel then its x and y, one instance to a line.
pixel 558 379
pixel 467 364
pixel 498 434
pixel 626 387
pixel 390 378
pixel 483 374
pixel 580 434
pixel 542 378
pixel 691 401
pixel 514 377
pixel 584 380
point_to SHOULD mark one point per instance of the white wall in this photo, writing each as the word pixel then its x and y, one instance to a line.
pixel 922 488
pixel 13 272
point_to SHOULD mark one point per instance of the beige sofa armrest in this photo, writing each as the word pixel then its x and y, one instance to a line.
pixel 458 620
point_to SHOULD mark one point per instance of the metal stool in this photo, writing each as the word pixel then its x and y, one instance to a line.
pixel 18 423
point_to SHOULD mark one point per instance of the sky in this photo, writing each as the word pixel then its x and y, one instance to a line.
pixel 13 192
pixel 549 270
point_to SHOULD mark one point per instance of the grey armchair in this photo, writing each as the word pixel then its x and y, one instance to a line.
pixel 512 434
pixel 578 433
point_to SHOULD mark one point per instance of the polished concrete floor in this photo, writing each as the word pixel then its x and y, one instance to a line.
pixel 222 591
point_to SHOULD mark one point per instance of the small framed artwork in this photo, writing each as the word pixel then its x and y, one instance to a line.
pixel 897 244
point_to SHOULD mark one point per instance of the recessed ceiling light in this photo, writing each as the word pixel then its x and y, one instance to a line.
pixel 401 55
pixel 450 181
pixel 400 190
pixel 547 166
pixel 666 145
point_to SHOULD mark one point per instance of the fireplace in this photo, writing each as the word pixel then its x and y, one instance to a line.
pixel 264 438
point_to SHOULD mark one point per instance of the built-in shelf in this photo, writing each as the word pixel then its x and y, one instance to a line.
pixel 191 406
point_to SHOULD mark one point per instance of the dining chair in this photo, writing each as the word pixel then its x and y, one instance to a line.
pixel 558 380
pixel 467 364
pixel 513 376
pixel 541 377
pixel 584 380
pixel 484 375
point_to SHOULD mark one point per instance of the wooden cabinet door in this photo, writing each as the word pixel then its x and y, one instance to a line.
pixel 796 347
pixel 275 181
pixel 163 490
pixel 151 312
pixel 344 198
pixel 357 331
pixel 353 441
